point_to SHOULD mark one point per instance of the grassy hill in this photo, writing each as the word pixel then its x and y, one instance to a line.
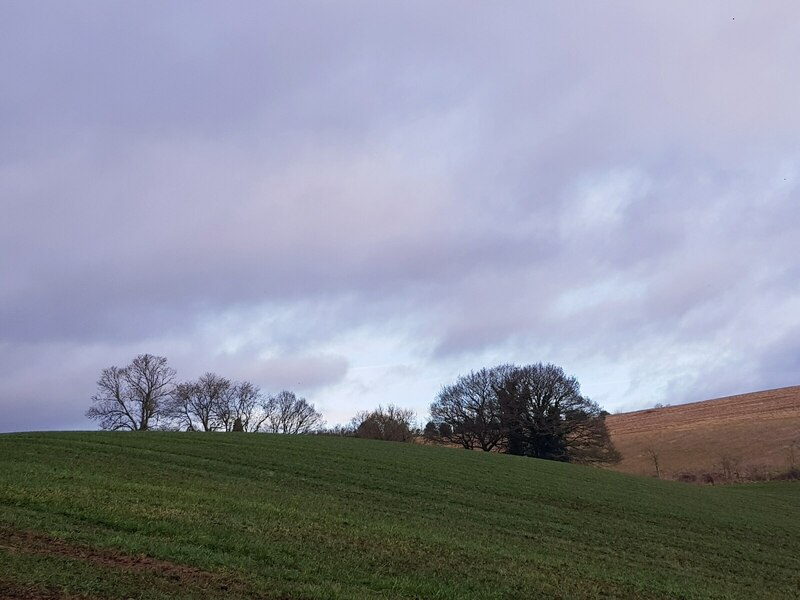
pixel 753 433
pixel 159 515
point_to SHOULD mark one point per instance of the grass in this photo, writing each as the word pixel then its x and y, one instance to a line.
pixel 165 515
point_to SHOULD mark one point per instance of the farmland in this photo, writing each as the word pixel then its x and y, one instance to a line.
pixel 180 515
pixel 755 434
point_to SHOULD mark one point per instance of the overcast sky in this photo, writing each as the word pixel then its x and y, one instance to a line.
pixel 360 200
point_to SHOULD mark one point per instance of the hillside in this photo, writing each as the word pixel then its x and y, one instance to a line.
pixel 752 433
pixel 158 515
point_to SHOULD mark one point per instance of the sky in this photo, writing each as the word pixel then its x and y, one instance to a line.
pixel 359 201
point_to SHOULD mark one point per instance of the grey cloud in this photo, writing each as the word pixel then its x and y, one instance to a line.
pixel 780 363
pixel 47 386
pixel 303 373
pixel 595 183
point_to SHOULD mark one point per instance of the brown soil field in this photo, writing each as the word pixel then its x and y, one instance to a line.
pixel 749 436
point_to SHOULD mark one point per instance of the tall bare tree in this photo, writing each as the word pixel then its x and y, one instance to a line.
pixel 239 408
pixel 286 413
pixel 134 397
pixel 545 416
pixel 468 412
pixel 196 405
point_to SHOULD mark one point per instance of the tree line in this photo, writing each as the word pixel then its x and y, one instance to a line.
pixel 532 410
pixel 146 395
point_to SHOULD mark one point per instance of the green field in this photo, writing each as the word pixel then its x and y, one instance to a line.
pixel 180 515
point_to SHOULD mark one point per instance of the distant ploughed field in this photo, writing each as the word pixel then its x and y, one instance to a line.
pixel 751 435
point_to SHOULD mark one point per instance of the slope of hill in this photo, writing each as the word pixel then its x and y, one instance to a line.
pixel 750 434
pixel 158 515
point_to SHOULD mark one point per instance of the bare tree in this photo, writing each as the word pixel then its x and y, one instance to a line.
pixel 239 407
pixel 534 410
pixel 135 397
pixel 470 410
pixel 545 416
pixel 791 454
pixel 653 454
pixel 392 424
pixel 286 413
pixel 197 405
pixel 730 466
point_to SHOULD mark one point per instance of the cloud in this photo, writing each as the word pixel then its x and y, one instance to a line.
pixel 292 372
pixel 251 188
